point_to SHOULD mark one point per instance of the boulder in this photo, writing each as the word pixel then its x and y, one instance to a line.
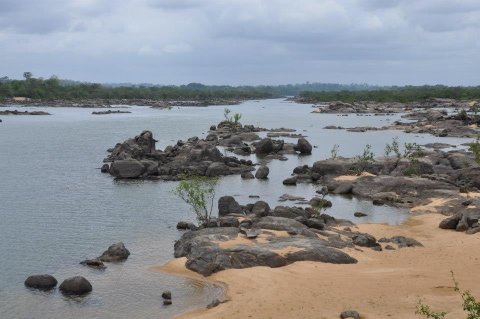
pixel 304 147
pixel 93 263
pixel 247 175
pixel 290 181
pixel 217 169
pixel 77 285
pixel 116 252
pixel 186 225
pixel 260 208
pixel 105 168
pixel 41 282
pixel 262 172
pixel 264 146
pixel 228 205
pixel 129 168
pixel 350 314
pixel 228 222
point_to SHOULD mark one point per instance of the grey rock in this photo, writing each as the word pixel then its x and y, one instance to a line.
pixel 350 314
pixel 228 205
pixel 304 147
pixel 116 252
pixel 262 172
pixel 359 214
pixel 41 282
pixel 129 168
pixel 264 146
pixel 290 181
pixel 260 208
pixel 77 285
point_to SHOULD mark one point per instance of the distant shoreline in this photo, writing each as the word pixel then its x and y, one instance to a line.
pixel 108 103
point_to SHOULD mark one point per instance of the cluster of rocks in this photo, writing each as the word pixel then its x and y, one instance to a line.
pixel 110 112
pixel 106 103
pixel 247 236
pixel 466 220
pixel 115 253
pixel 339 107
pixel 138 158
pixel 77 285
pixel 17 112
pixel 398 182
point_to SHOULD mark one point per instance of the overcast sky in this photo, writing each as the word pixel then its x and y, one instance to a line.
pixel 243 41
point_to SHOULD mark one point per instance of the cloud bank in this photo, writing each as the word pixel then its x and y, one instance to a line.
pixel 243 41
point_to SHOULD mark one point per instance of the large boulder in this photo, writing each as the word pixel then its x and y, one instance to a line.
pixel 77 285
pixel 129 168
pixel 261 208
pixel 217 169
pixel 304 147
pixel 116 252
pixel 42 282
pixel 264 146
pixel 262 172
pixel 228 205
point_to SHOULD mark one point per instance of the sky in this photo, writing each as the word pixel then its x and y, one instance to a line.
pixel 237 42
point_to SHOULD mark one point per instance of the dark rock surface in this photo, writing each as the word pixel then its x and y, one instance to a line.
pixel 114 253
pixel 41 282
pixel 77 285
pixel 262 172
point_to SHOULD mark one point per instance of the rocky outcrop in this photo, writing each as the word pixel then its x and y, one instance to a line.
pixel 41 282
pixel 205 256
pixel 17 112
pixel 465 221
pixel 138 158
pixel 77 285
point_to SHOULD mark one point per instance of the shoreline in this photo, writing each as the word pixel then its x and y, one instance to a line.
pixel 392 281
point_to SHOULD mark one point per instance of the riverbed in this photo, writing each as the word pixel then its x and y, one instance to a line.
pixel 57 209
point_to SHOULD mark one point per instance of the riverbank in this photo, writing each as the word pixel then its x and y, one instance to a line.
pixel 108 103
pixel 380 285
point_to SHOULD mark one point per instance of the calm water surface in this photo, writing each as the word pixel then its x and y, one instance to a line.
pixel 57 209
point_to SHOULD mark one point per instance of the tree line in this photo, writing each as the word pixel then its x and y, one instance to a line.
pixel 395 94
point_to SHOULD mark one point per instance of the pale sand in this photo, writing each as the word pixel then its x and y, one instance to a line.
pixel 384 284
pixel 344 178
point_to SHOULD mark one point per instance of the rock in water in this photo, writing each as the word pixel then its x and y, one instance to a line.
pixel 42 282
pixel 77 285
pixel 129 168
pixel 264 146
pixel 228 205
pixel 304 147
pixel 116 252
pixel 262 172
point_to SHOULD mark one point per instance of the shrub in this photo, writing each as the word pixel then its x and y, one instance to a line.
pixel 199 193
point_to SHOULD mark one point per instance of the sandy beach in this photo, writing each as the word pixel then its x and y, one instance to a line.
pixel 385 284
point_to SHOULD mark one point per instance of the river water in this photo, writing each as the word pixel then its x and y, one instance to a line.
pixel 57 209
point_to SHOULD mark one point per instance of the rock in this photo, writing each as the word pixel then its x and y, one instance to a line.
pixel 105 168
pixel 129 168
pixel 213 128
pixel 247 175
pixel 343 188
pixel 304 147
pixel 320 202
pixel 350 314
pixel 186 225
pixel 360 214
pixel 167 294
pixel 289 197
pixel 451 222
pixel 213 304
pixel 262 172
pixel 389 247
pixel 41 282
pixel 289 212
pixel 264 146
pixel 252 233
pixel 217 169
pixel 228 205
pixel 167 302
pixel 290 181
pixel 260 208
pixel 403 241
pixel 93 263
pixel 228 222
pixel 116 252
pixel 315 223
pixel 77 285
pixel 365 240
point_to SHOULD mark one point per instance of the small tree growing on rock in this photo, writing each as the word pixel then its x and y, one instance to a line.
pixel 199 193
pixel 362 161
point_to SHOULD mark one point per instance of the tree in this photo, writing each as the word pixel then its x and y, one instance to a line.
pixel 199 193
pixel 27 75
